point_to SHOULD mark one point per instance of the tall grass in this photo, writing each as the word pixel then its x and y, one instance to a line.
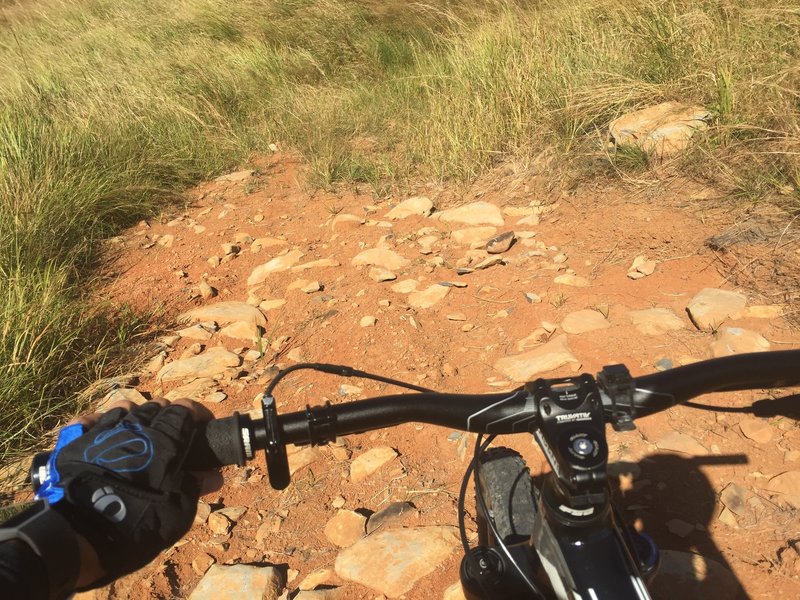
pixel 109 108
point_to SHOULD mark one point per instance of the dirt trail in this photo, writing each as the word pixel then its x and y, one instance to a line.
pixel 453 345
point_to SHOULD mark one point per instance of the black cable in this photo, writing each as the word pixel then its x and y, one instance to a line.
pixel 474 465
pixel 479 498
pixel 342 371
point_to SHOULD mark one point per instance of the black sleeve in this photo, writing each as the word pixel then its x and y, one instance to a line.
pixel 22 575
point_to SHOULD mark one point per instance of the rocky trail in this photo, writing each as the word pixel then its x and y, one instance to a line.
pixel 474 291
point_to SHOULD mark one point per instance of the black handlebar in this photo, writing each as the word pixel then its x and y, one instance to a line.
pixel 234 439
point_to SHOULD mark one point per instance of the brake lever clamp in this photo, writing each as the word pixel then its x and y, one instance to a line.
pixel 617 383
pixel 572 436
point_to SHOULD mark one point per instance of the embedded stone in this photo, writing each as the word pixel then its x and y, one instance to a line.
pixel 663 129
pixel 380 274
pixel 583 321
pixel 233 582
pixel 235 177
pixel 380 257
pixel 344 220
pixel 345 528
pixel 277 264
pixel 681 442
pixel 758 430
pixel 786 487
pixel 406 286
pixel 572 280
pixel 418 205
pixel 655 321
pixel 241 330
pixel 735 340
pixel 472 235
pixel 476 213
pixel 224 313
pixel 428 297
pixel 212 363
pixel 391 562
pixel 711 307
pixel 524 367
pixel 370 461
pixel 316 264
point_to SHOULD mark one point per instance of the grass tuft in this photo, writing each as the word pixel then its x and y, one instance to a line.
pixel 108 109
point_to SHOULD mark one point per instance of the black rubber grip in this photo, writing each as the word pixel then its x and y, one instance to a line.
pixel 216 444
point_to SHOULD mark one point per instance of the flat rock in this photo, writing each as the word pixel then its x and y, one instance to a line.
pixel 763 311
pixel 655 321
pixel 489 262
pixel 476 213
pixel 500 243
pixel 418 205
pixel 300 457
pixel 406 286
pixel 241 330
pixel 121 395
pixel 236 582
pixel 380 274
pixel 224 313
pixel 380 257
pixel 681 442
pixel 344 221
pixel 195 332
pixel 679 527
pixel 585 320
pixel 758 430
pixel 196 390
pixel 276 265
pixel 735 340
pixel 345 528
pixel 691 576
pixel 391 562
pixel 323 594
pixel 711 307
pixel 573 280
pixel 317 264
pixel 787 488
pixel 428 297
pixel 734 497
pixel 523 367
pixel 266 242
pixel 663 129
pixel 389 516
pixel 271 304
pixel 472 235
pixel 317 577
pixel 370 461
pixel 235 177
pixel 211 363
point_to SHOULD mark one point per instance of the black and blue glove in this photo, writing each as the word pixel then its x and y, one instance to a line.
pixel 122 486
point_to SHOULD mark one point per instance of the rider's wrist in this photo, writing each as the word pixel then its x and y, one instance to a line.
pixel 90 569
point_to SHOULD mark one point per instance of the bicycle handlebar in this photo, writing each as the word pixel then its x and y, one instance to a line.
pixel 232 440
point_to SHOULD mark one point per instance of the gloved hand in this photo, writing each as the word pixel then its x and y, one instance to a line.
pixel 118 479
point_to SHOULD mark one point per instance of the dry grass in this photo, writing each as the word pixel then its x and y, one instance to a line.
pixel 108 109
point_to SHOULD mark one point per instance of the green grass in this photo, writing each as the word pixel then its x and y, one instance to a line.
pixel 108 109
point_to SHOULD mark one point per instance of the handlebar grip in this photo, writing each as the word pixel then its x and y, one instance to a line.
pixel 216 444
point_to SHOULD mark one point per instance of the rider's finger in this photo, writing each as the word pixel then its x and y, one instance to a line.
pixel 199 412
pixel 88 421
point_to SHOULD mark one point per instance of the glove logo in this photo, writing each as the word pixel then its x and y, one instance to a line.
pixel 123 449
pixel 108 504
